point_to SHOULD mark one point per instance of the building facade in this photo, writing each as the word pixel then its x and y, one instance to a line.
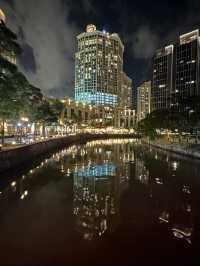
pixel 134 98
pixel 186 67
pixel 176 71
pixel 143 100
pixel 97 116
pixel 125 96
pixel 162 82
pixel 5 52
pixel 98 67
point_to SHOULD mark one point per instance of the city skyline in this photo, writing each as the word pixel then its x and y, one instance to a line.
pixel 99 132
pixel 139 30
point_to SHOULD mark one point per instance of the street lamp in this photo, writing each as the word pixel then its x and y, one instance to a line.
pixel 189 113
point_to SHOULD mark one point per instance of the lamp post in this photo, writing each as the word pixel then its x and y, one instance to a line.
pixel 189 114
pixel 19 127
pixel 25 120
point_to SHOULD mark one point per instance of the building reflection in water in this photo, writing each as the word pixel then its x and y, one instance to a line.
pixel 98 187
pixel 141 172
pixel 96 204
pixel 101 171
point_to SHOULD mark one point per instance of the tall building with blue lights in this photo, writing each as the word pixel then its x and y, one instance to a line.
pixel 98 67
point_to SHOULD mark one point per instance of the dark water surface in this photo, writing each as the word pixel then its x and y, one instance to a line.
pixel 110 202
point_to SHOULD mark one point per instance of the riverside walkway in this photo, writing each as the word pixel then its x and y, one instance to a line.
pixel 186 149
pixel 17 156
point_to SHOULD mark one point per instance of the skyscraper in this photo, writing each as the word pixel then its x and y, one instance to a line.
pixel 186 67
pixel 143 100
pixel 176 71
pixel 98 67
pixel 162 78
pixel 125 95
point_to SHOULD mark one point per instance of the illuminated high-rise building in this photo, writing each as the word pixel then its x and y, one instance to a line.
pixel 98 67
pixel 162 78
pixel 5 52
pixel 176 71
pixel 143 100
pixel 126 95
pixel 186 67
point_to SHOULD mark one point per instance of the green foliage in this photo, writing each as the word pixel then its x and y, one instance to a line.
pixel 12 83
pixel 146 128
pixel 43 113
pixel 180 117
pixel 17 96
pixel 57 108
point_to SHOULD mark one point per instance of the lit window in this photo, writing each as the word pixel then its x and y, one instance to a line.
pixel 162 86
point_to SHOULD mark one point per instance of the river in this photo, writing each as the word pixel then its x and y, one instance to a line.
pixel 109 202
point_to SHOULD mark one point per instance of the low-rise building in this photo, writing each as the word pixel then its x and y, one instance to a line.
pixel 97 116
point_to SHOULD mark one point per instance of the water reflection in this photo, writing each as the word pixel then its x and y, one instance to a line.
pixel 171 198
pixel 158 189
pixel 96 205
pixel 141 172
pixel 97 187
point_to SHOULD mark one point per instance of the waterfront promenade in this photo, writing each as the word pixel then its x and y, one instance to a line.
pixel 187 149
pixel 14 157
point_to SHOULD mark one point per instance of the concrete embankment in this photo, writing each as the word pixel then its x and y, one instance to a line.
pixel 192 151
pixel 19 156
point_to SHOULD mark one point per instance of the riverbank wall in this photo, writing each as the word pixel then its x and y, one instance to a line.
pixel 19 156
pixel 192 151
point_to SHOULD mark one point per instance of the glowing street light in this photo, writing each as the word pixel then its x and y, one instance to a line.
pixel 24 119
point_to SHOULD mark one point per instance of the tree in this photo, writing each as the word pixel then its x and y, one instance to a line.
pixel 57 107
pixel 146 128
pixel 44 114
pixel 17 96
pixel 8 50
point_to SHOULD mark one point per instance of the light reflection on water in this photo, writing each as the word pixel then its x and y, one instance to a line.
pixel 151 183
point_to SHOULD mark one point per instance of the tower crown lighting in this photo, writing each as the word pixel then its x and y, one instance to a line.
pixel 91 28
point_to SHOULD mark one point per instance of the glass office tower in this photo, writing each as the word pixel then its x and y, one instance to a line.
pixel 162 78
pixel 143 100
pixel 176 72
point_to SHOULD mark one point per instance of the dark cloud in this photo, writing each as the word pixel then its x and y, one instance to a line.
pixel 49 42
pixel 27 59
pixel 88 6
pixel 144 43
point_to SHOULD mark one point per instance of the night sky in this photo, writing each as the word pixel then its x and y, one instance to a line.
pixel 47 31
